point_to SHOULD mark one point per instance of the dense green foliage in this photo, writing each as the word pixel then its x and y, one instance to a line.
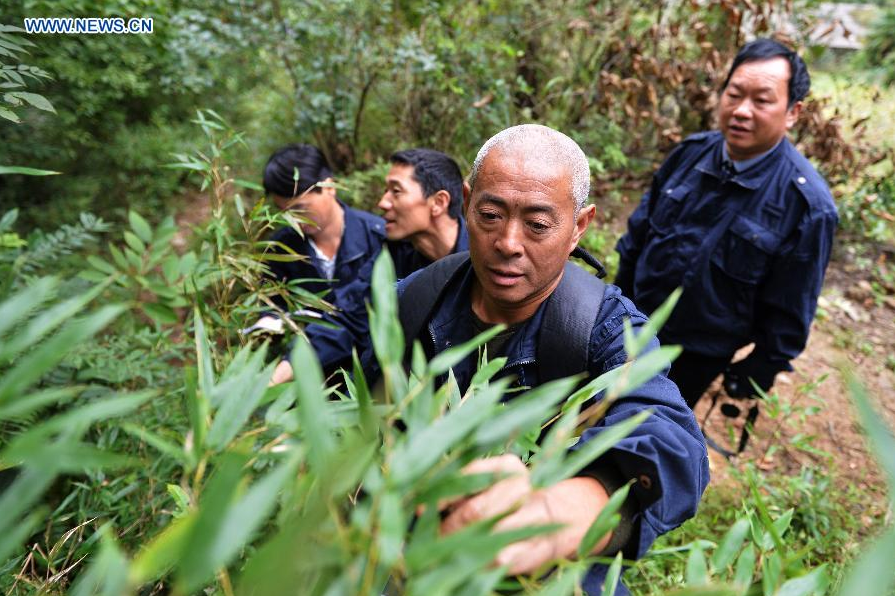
pixel 879 51
pixel 360 80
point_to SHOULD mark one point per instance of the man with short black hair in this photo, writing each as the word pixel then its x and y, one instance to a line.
pixel 744 223
pixel 421 206
pixel 525 213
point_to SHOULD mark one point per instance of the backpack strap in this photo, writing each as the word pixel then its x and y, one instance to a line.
pixel 569 318
pixel 564 338
pixel 417 302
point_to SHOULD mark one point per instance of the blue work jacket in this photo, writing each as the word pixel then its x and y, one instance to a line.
pixel 362 237
pixel 749 249
pixel 666 455
pixel 334 345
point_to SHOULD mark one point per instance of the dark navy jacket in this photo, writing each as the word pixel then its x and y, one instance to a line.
pixel 750 250
pixel 333 345
pixel 362 239
pixel 666 454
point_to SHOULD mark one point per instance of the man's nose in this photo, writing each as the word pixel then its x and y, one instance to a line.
pixel 743 110
pixel 509 240
pixel 384 203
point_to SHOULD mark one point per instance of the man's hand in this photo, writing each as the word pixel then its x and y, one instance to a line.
pixel 574 503
pixel 281 374
pixel 755 366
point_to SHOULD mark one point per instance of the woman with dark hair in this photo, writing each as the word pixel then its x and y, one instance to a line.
pixel 336 239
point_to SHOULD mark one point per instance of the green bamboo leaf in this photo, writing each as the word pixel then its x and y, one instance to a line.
pixel 108 570
pixel 135 243
pixel 8 219
pixel 47 320
pixel 880 436
pixel 165 550
pixel 641 370
pixel 27 404
pixel 585 453
pixel 239 403
pixel 140 226
pixel 38 101
pixel 455 485
pixel 606 521
pixel 118 257
pixel 19 530
pixel 417 455
pixel 610 584
pixel 248 184
pixel 19 169
pixel 314 415
pixel 198 561
pixel 772 570
pixel 361 393
pixel 243 519
pixel 20 305
pixel 730 545
pixel 745 567
pixel 198 409
pixel 162 314
pixel 385 330
pixel 872 572
pixel 12 117
pixel 18 500
pixel 484 373
pixel 101 265
pixel 532 408
pixel 204 361
pixel 163 446
pixel 450 357
pixel 33 365
pixel 481 584
pixel 697 571
pixel 564 582
pixel 813 582
pixel 765 517
pixel 392 524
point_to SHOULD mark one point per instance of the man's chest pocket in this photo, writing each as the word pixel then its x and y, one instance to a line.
pixel 745 250
pixel 667 207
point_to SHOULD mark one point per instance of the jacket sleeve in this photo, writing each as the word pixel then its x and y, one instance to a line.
pixel 631 244
pixel 666 455
pixel 346 329
pixel 787 299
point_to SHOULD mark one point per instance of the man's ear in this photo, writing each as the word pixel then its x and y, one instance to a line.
pixel 585 216
pixel 467 192
pixel 439 203
pixel 792 115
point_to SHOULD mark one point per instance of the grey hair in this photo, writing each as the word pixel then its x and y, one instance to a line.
pixel 548 144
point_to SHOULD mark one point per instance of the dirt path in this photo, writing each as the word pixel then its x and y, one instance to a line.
pixel 855 328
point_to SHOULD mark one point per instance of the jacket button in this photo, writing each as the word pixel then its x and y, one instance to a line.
pixel 645 481
pixel 668 192
pixel 801 180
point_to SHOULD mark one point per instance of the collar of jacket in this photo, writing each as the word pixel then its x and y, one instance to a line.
pixel 452 324
pixel 355 242
pixel 756 176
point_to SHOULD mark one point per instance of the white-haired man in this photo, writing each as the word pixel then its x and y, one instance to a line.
pixel 525 214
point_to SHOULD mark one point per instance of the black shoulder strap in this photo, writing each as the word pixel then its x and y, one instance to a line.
pixel 569 318
pixel 419 298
